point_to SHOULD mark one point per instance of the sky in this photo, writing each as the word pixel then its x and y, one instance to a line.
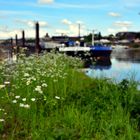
pixel 57 17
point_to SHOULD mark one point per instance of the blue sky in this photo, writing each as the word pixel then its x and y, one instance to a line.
pixel 62 16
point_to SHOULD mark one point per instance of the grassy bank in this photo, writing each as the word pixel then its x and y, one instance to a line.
pixel 47 98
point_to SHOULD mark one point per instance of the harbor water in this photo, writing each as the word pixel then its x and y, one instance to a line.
pixel 123 64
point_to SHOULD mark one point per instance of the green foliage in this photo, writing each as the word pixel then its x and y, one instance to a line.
pixel 135 45
pixel 46 97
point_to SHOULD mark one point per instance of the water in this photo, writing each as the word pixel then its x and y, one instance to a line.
pixel 123 64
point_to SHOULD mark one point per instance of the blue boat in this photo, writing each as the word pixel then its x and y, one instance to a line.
pixel 100 50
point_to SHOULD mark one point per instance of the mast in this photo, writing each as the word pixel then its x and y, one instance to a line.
pixel 79 28
pixel 92 37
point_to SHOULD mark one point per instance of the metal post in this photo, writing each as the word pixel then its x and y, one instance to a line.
pixel 11 49
pixel 17 48
pixel 38 48
pixel 23 38
pixel 93 38
pixel 16 40
pixel 79 26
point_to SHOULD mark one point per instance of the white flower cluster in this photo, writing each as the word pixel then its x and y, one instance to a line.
pixel 24 105
pixel 26 75
pixel 38 89
pixel 2 86
pixel 57 97
pixel 44 85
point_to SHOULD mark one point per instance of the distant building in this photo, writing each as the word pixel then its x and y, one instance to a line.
pixel 64 38
pixel 59 39
pixel 127 35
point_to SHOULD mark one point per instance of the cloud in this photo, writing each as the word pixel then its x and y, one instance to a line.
pixel 31 23
pixel 29 33
pixel 61 31
pixel 113 14
pixel 4 28
pixel 111 31
pixel 116 30
pixel 45 1
pixel 72 28
pixel 43 24
pixel 120 26
pixel 67 22
pixel 79 22
pixel 123 23
pixel 13 12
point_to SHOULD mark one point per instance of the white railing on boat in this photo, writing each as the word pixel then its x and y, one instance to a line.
pixel 78 48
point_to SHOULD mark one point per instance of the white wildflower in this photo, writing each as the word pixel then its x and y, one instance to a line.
pixel 2 120
pixel 55 80
pixel 33 99
pixel 17 97
pixel 14 101
pixel 24 99
pixel 44 85
pixel 33 78
pixel 26 106
pixel 57 97
pixel 6 82
pixel 38 89
pixel 28 82
pixel 26 75
pixel 21 105
pixel 2 86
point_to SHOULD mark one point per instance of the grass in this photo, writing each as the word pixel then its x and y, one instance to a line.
pixel 47 98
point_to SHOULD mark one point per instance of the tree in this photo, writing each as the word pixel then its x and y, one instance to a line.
pixel 99 36
pixel 88 38
pixel 111 37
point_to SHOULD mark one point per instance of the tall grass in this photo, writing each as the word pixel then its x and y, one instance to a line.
pixel 48 98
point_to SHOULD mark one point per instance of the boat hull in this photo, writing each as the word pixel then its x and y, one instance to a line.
pixel 98 53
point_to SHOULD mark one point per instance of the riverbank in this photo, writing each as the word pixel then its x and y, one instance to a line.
pixel 45 97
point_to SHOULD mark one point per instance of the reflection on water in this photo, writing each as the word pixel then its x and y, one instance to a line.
pixel 123 64
pixel 102 63
pixel 132 55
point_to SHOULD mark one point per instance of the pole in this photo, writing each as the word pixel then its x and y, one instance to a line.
pixel 92 37
pixel 38 48
pixel 17 47
pixel 79 26
pixel 23 38
pixel 16 40
pixel 11 49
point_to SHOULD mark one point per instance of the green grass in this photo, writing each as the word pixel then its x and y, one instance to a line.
pixel 48 98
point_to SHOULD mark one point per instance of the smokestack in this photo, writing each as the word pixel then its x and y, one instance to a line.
pixel 38 48
pixel 23 38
